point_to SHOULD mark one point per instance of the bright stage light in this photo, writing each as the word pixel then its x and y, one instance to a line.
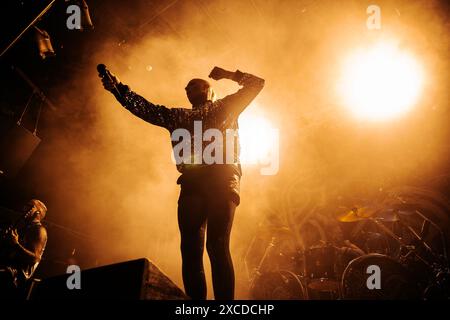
pixel 256 137
pixel 381 82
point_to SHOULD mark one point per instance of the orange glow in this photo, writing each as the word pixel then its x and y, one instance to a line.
pixel 380 82
pixel 256 138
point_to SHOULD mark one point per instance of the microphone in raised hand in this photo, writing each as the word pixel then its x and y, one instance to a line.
pixel 110 81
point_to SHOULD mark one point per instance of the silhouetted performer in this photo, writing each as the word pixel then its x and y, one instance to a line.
pixel 209 192
pixel 21 249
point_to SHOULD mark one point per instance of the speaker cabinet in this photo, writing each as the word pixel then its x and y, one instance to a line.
pixel 135 280
pixel 16 146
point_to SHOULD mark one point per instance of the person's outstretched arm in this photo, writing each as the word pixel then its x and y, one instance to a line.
pixel 235 103
pixel 155 114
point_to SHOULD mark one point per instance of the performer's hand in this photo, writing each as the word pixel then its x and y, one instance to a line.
pixel 13 237
pixel 219 73
pixel 110 83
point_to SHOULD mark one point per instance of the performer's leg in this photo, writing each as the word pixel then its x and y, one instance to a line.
pixel 220 220
pixel 192 222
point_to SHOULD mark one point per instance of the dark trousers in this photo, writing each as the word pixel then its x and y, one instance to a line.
pixel 214 214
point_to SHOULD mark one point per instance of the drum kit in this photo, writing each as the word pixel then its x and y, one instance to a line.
pixel 411 263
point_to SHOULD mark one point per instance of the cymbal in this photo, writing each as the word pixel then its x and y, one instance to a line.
pixel 357 214
pixel 363 213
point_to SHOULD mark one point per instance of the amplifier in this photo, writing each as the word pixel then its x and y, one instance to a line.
pixel 134 280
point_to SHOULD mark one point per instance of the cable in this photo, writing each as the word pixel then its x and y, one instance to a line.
pixel 19 122
pixel 38 117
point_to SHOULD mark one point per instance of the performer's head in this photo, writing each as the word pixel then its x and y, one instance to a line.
pixel 35 209
pixel 198 92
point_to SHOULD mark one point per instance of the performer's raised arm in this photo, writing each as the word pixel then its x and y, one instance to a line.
pixel 139 106
pixel 236 103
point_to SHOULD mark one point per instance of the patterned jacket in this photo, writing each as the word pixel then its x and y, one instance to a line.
pixel 221 114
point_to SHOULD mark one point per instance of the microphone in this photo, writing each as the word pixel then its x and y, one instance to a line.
pixel 104 73
pixel 101 68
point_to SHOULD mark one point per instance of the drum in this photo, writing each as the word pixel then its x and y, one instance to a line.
pixel 277 285
pixel 319 262
pixel 395 280
pixel 320 269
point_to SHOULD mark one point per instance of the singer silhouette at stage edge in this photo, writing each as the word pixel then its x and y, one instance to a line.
pixel 209 192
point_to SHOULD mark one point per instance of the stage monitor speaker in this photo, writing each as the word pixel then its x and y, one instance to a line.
pixel 16 146
pixel 136 280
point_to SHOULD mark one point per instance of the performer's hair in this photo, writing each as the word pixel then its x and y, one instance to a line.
pixel 211 93
pixel 40 205
pixel 199 81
